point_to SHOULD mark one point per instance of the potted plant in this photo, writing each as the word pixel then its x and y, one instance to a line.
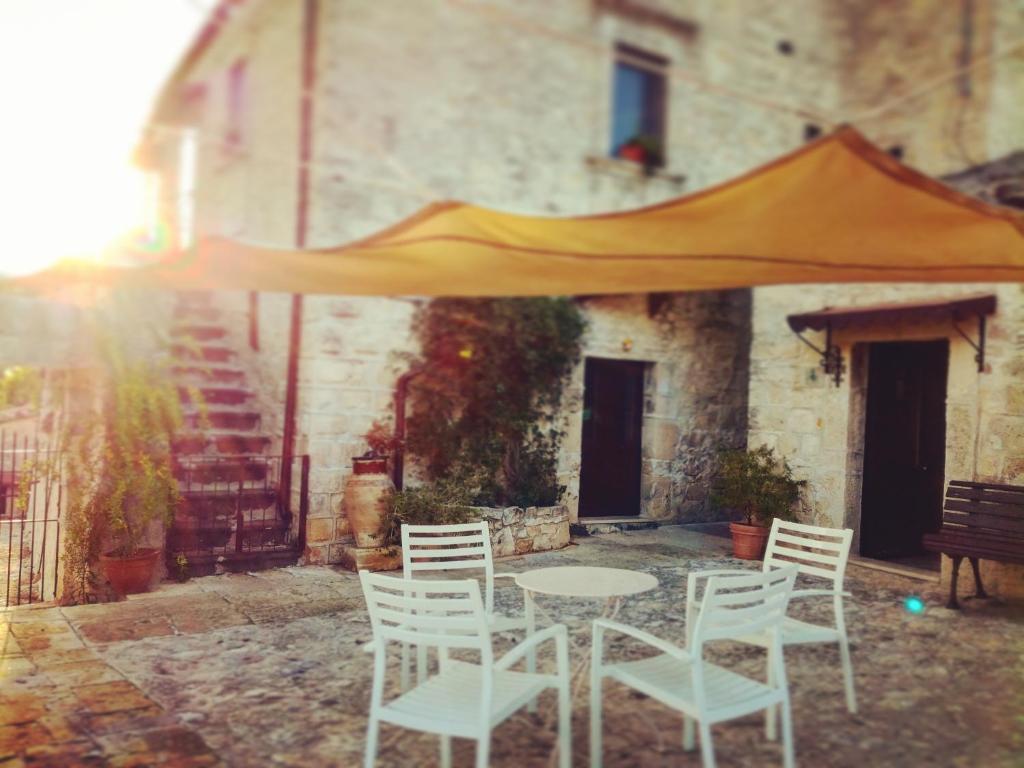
pixel 381 443
pixel 760 486
pixel 134 484
pixel 367 487
pixel 644 149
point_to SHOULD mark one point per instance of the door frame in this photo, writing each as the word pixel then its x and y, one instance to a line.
pixel 644 368
pixel 860 350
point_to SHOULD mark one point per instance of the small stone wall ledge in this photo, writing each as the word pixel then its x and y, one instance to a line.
pixel 518 530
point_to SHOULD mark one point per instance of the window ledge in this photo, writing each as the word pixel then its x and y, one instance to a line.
pixel 618 167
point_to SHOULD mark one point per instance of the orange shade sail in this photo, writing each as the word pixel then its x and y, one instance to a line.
pixel 835 211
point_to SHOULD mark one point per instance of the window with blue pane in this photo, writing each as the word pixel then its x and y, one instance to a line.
pixel 638 107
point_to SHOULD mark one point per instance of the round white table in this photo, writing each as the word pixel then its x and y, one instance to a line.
pixel 586 581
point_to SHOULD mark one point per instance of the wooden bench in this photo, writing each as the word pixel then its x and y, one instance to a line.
pixel 980 521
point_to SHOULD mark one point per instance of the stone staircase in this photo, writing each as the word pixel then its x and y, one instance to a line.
pixel 231 517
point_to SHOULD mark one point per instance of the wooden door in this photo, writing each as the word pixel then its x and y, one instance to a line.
pixel 613 393
pixel 904 446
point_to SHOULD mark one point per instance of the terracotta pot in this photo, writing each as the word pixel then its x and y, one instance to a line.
pixel 748 541
pixel 363 503
pixel 375 466
pixel 633 152
pixel 128 575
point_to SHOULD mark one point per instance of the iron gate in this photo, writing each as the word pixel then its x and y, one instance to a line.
pixel 31 495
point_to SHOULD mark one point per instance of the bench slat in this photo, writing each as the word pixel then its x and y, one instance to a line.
pixel 970 519
pixel 965 505
pixel 985 486
pixel 1000 498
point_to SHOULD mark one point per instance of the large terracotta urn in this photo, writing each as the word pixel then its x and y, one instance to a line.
pixel 365 499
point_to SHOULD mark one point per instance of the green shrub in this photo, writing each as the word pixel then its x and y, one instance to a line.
pixel 492 376
pixel 758 484
pixel 439 504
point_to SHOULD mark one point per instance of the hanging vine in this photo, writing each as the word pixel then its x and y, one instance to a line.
pixel 493 373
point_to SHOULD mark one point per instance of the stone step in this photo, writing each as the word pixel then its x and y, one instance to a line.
pixel 204 312
pixel 222 443
pixel 199 332
pixel 591 526
pixel 209 564
pixel 197 477
pixel 223 417
pixel 211 353
pixel 201 504
pixel 197 373
pixel 194 298
pixel 216 395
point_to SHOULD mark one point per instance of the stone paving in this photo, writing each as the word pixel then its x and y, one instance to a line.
pixel 266 669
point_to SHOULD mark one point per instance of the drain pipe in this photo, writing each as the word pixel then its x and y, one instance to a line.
pixel 291 397
pixel 401 395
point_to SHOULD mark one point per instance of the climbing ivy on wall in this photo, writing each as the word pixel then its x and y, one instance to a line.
pixel 492 375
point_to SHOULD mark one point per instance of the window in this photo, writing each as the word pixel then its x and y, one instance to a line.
pixel 638 106
pixel 235 128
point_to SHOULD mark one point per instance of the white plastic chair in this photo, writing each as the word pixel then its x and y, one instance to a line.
pixel 816 551
pixel 462 699
pixel 734 607
pixel 465 546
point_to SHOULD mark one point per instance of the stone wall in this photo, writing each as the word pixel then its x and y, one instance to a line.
pixel 518 531
pixel 410 107
pixel 820 427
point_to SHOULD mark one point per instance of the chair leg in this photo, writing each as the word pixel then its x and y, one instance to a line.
pixel 446 752
pixel 953 604
pixel 788 756
pixel 372 729
pixel 689 733
pixel 405 672
pixel 483 751
pixel 844 655
pixel 770 718
pixel 707 750
pixel 529 611
pixel 595 718
pixel 422 664
pixel 564 725
pixel 979 590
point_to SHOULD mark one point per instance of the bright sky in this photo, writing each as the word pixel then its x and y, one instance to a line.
pixel 77 79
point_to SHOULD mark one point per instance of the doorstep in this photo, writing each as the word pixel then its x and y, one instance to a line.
pixel 591 526
pixel 909 571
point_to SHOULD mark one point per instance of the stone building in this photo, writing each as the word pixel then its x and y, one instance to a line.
pixel 304 124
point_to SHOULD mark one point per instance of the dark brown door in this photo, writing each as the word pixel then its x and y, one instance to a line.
pixel 904 446
pixel 613 399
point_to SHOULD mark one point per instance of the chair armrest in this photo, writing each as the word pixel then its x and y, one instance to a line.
pixel 820 593
pixel 694 577
pixel 556 632
pixel 644 637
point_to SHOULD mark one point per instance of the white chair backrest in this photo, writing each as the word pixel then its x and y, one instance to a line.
pixel 450 548
pixel 739 606
pixel 439 614
pixel 816 551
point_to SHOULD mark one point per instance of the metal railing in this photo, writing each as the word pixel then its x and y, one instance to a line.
pixel 31 497
pixel 233 509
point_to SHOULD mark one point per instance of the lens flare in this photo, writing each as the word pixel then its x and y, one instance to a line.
pixel 914 604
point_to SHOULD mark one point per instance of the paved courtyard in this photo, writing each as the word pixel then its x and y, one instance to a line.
pixel 266 669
